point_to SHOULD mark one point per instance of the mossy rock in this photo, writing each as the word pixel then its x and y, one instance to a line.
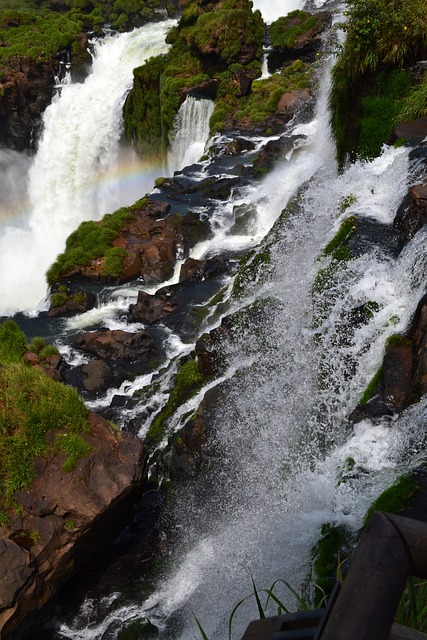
pixel 188 381
pixel 92 240
pixel 394 499
pixel 331 549
pixel 285 31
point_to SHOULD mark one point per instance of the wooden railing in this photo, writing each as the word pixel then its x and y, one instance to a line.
pixel 390 549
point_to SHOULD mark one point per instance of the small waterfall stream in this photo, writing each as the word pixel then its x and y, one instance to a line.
pixel 190 132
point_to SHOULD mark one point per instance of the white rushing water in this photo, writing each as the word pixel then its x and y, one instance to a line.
pixel 282 436
pixel 190 132
pixel 80 172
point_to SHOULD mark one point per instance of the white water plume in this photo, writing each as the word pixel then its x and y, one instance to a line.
pixel 273 10
pixel 79 172
pixel 190 132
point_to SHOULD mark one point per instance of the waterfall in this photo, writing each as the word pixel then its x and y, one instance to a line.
pixel 190 132
pixel 281 431
pixel 80 171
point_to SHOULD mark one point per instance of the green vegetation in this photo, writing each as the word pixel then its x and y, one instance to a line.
pixel 412 609
pixel 285 31
pixel 398 340
pixel 369 391
pixel 93 240
pixel 346 230
pixel 31 406
pixel 75 448
pixel 400 495
pixel 112 266
pixel 227 31
pixel 38 35
pixel 372 80
pixel 138 630
pixel 326 556
pixel 13 343
pixel 253 268
pixel 264 96
pixel 69 525
pixel 188 382
pixel 204 45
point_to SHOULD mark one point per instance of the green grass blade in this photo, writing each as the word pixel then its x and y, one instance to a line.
pixel 230 619
pixel 202 632
pixel 258 601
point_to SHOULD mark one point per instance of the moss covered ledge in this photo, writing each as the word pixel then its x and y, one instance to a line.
pixel 67 480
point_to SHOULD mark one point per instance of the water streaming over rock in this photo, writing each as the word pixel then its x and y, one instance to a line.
pixel 280 434
pixel 190 132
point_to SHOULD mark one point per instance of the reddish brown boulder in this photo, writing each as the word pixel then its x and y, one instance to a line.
pixel 66 517
pixel 412 214
pixel 153 308
pixel 114 345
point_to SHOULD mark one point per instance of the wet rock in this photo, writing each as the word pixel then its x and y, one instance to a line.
pixel 73 303
pixel 404 371
pixel 64 519
pixel 243 81
pixel 371 235
pixel 413 130
pixel 274 151
pixel 412 213
pixel 238 146
pixel 208 90
pixel 151 308
pixel 98 376
pixel 117 345
pixel 26 89
pixel 197 270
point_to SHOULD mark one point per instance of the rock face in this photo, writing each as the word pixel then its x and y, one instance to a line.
pixel 66 517
pixel 25 92
pixel 403 376
pixel 119 355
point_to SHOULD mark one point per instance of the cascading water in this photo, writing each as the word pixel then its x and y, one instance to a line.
pixel 281 432
pixel 80 172
pixel 190 132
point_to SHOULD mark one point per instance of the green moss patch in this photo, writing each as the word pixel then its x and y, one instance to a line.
pixel 35 34
pixel 93 240
pixel 264 97
pixel 346 230
pixel 31 406
pixel 401 494
pixel 285 31
pixel 369 391
pixel 189 380
pixel 327 554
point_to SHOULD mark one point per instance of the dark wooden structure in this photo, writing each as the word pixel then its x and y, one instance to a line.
pixel 390 549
